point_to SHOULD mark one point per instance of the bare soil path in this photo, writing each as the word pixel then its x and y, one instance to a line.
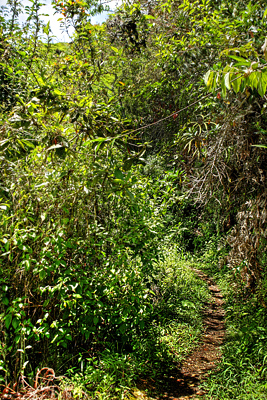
pixel 185 383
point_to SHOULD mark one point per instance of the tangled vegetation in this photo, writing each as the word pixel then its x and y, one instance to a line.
pixel 128 155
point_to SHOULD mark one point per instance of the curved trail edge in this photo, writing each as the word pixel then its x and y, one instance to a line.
pixel 185 383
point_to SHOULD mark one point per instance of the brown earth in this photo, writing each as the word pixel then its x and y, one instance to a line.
pixel 186 381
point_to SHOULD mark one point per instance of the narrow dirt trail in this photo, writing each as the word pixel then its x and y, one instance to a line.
pixel 184 383
pixel 205 357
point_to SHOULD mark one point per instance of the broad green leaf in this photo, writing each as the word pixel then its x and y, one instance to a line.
pixel 46 28
pixel 226 69
pixel 77 296
pixel 120 181
pixel 130 195
pixel 236 82
pixel 42 274
pixel 119 174
pixel 254 65
pixel 210 79
pixel 15 323
pixel 241 61
pixel 223 87
pixel 58 92
pixel 215 81
pixel 261 88
pixel 5 301
pixel 8 320
pixel 27 143
pixel 252 80
pixel 114 49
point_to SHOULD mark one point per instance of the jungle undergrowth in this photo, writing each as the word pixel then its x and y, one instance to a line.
pixel 169 335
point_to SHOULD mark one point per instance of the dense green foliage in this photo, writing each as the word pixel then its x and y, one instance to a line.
pixel 124 153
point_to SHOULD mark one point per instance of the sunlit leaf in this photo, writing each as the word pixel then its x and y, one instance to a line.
pixel 227 80
pixel 236 82
pixel 241 61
